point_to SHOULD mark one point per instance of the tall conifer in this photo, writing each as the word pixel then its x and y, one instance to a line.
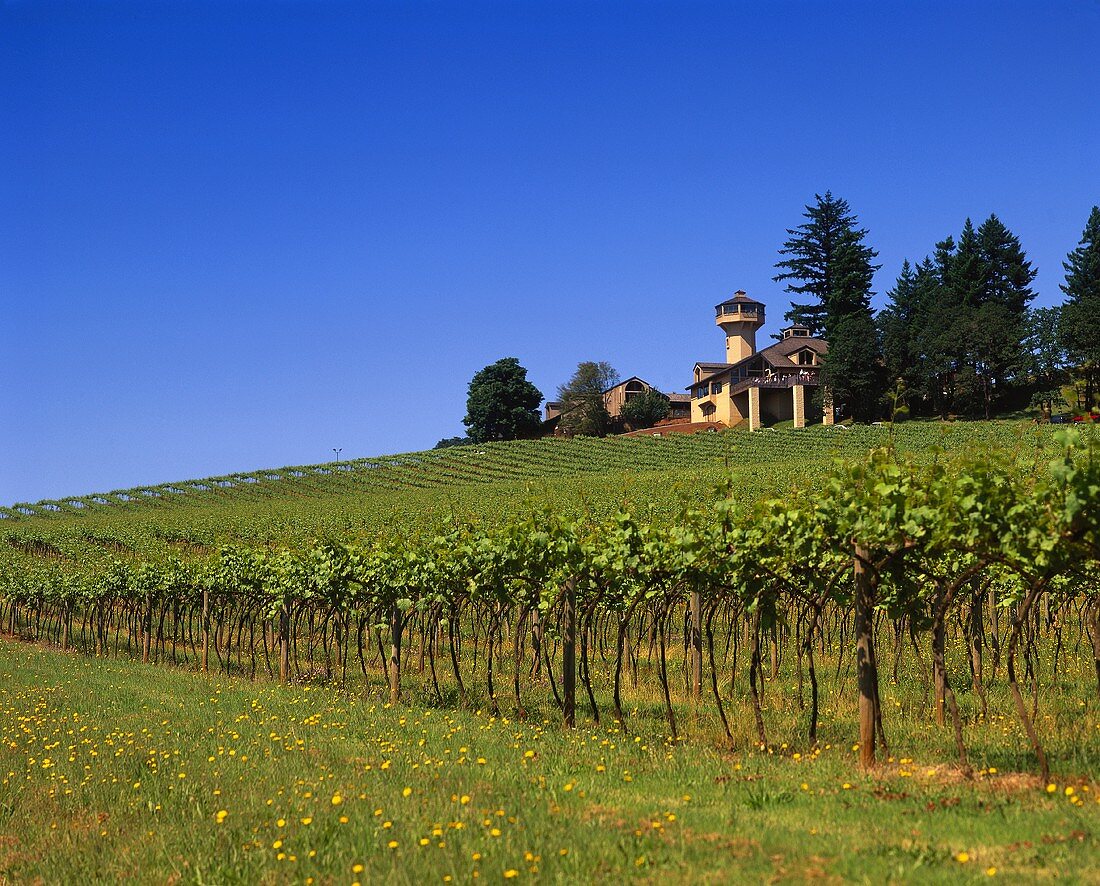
pixel 826 258
pixel 1081 311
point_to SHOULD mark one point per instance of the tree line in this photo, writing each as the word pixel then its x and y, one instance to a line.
pixel 958 335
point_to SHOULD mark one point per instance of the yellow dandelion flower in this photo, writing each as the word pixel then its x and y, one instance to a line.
pixel 962 857
pixel 406 792
pixel 392 844
pixel 220 816
pixel 510 873
pixel 337 799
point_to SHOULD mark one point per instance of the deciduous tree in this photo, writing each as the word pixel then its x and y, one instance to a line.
pixel 502 404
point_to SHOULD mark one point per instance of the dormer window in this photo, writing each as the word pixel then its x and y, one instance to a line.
pixel 806 357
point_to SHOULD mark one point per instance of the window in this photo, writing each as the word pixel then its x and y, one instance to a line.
pixel 716 387
pixel 806 357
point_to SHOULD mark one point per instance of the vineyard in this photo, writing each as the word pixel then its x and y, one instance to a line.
pixel 752 593
pixel 1001 543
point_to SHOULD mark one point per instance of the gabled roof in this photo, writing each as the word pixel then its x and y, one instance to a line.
pixel 711 368
pixel 777 355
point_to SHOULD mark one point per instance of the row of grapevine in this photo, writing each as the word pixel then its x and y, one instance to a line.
pixel 886 541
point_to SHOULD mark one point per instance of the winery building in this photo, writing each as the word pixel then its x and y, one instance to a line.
pixel 754 388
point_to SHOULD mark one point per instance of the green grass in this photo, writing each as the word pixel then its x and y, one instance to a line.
pixel 111 770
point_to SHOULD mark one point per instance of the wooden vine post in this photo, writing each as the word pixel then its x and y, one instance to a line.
pixel 569 654
pixel 696 646
pixel 395 653
pixel 147 628
pixel 205 630
pixel 284 641
pixel 865 656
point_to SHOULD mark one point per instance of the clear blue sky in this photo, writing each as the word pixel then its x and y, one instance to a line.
pixel 237 235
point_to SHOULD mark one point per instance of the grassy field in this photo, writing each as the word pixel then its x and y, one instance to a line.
pixel 113 770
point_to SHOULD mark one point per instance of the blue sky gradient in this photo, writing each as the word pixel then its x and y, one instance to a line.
pixel 237 235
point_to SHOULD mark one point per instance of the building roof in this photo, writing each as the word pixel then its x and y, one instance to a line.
pixel 678 398
pixel 739 298
pixel 777 356
pixel 711 368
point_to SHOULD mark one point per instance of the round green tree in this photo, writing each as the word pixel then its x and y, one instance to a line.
pixel 502 404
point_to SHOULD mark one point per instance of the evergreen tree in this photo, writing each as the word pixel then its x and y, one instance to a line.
pixel 855 383
pixel 501 403
pixel 1006 273
pixel 966 322
pixel 897 331
pixel 826 258
pixel 583 412
pixel 1081 312
pixel 997 324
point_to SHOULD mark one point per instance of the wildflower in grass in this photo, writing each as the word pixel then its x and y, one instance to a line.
pixel 406 792
pixel 1051 788
pixel 307 820
pixel 392 844
pixel 357 868
pixel 220 816
pixel 962 857
pixel 510 873
pixel 464 799
pixel 991 872
pixel 337 799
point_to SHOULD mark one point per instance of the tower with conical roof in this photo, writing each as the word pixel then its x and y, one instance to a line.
pixel 739 317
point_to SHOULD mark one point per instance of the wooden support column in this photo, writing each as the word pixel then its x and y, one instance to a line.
pixel 827 408
pixel 754 409
pixel 798 393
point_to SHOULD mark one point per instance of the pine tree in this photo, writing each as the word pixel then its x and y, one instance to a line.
pixel 997 324
pixel 853 381
pixel 897 331
pixel 1081 311
pixel 828 260
pixel 1007 274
